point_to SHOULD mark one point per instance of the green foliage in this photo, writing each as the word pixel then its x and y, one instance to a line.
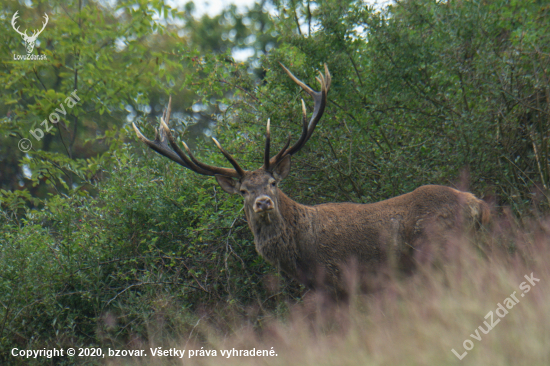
pixel 91 231
pixel 231 29
pixel 154 237
pixel 110 57
pixel 424 92
pixel 104 242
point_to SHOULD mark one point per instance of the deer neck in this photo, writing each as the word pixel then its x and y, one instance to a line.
pixel 275 233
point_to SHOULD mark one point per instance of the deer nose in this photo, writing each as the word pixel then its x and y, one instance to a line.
pixel 263 203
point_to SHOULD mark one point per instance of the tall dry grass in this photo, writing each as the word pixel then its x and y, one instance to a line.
pixel 415 320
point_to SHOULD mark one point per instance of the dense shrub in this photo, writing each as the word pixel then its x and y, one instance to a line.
pixel 155 239
pixel 117 246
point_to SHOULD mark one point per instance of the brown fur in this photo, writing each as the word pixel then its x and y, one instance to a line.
pixel 308 241
pixel 312 241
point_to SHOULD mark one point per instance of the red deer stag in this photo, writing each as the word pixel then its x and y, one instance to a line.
pixel 305 241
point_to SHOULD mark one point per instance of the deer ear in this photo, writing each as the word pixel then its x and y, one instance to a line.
pixel 282 169
pixel 228 184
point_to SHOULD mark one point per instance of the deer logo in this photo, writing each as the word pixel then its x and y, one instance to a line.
pixel 29 40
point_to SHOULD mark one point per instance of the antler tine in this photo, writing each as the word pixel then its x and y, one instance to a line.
pixel 194 164
pixel 228 156
pixel 165 133
pixel 267 143
pixel 13 20
pixel 282 151
pixel 168 110
pixel 303 136
pixel 320 102
pixel 160 145
pixel 328 78
pixel 320 99
pixel 298 81
pixel 275 160
pixel 37 32
pixel 213 170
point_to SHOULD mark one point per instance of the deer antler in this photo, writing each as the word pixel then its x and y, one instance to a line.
pixel 13 24
pixel 164 139
pixel 165 143
pixel 35 34
pixel 320 99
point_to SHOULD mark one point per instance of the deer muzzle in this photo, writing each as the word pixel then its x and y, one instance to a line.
pixel 263 203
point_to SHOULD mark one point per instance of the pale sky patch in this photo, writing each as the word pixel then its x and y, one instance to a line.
pixel 214 7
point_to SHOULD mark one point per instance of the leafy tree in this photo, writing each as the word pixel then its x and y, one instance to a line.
pixel 89 231
pixel 425 92
pixel 106 243
pixel 123 61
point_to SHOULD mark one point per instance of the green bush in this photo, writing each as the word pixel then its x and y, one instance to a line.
pixel 115 245
pixel 86 271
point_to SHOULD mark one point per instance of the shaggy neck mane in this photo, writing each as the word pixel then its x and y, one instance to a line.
pixel 274 223
pixel 274 232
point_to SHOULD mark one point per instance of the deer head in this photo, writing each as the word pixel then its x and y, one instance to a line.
pixel 29 40
pixel 258 187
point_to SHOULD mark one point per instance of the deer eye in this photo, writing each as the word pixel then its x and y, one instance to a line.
pixel 243 192
pixel 273 184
